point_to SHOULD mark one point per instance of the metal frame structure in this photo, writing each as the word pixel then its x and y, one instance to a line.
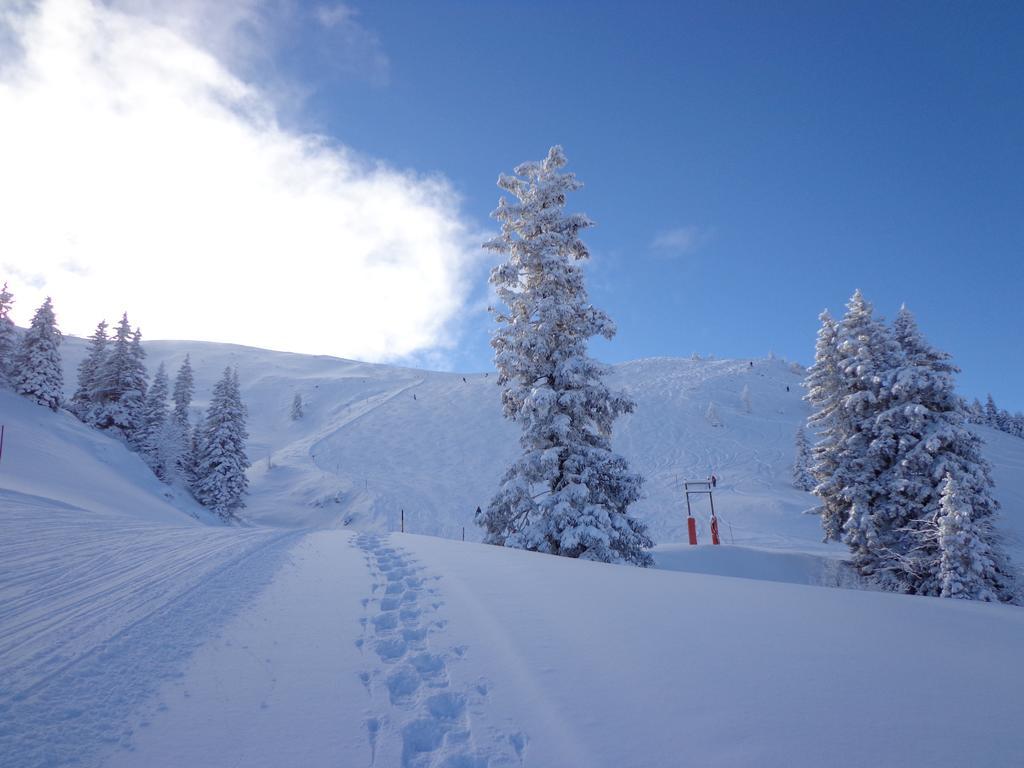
pixel 707 489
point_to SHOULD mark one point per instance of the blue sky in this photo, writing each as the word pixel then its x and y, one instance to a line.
pixel 790 151
pixel 748 164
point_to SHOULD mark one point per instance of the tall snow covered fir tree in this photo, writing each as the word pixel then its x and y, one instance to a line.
pixel 924 441
pixel 8 338
pixel 891 429
pixel 568 493
pixel 297 412
pixel 824 393
pixel 121 383
pixel 37 366
pixel 220 483
pixel 151 435
pixel 180 428
pixel 86 395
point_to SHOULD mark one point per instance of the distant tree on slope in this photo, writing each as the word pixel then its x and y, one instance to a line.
pixel 8 336
pixel 221 483
pixel 568 493
pixel 86 395
pixel 297 412
pixel 991 412
pixel 802 477
pixel 181 437
pixel 121 383
pixel 151 436
pixel 37 364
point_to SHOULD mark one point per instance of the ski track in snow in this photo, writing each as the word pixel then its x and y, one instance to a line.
pixel 95 617
pixel 410 690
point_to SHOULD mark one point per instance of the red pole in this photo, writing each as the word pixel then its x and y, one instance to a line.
pixel 1 442
pixel 691 526
pixel 714 531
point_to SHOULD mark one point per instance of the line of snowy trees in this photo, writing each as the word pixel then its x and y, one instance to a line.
pixel 990 415
pixel 114 394
pixel 568 493
pixel 900 474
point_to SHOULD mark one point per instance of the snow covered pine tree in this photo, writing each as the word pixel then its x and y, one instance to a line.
pixel 568 494
pixel 37 368
pixel 183 457
pixel 969 568
pixel 802 478
pixel 296 407
pixel 925 443
pixel 121 383
pixel 8 338
pixel 85 397
pixel 221 483
pixel 151 437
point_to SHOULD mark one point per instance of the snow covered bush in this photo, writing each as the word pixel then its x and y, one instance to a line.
pixel 568 493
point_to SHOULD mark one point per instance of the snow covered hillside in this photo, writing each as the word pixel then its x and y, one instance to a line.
pixel 53 459
pixel 133 635
pixel 376 440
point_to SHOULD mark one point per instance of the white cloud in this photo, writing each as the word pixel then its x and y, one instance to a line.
pixel 139 173
pixel 681 240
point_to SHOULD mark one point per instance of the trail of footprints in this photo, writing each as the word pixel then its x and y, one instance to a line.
pixel 431 719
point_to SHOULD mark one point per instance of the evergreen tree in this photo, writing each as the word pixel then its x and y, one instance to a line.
pixel 969 567
pixel 37 366
pixel 181 436
pixel 184 386
pixel 824 384
pixel 868 356
pixel 151 437
pixel 568 493
pixel 976 413
pixel 802 477
pixel 924 440
pixel 297 412
pixel 121 383
pixel 89 369
pixel 1004 421
pixel 221 482
pixel 991 412
pixel 8 335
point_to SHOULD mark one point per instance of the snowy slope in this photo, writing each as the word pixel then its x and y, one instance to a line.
pixel 130 635
pixel 380 439
pixel 53 458
pixel 329 648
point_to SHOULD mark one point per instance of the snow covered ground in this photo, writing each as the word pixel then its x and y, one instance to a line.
pixel 133 632
pixel 329 647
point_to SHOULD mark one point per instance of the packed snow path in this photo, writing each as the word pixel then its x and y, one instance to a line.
pixel 433 719
pixel 276 648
